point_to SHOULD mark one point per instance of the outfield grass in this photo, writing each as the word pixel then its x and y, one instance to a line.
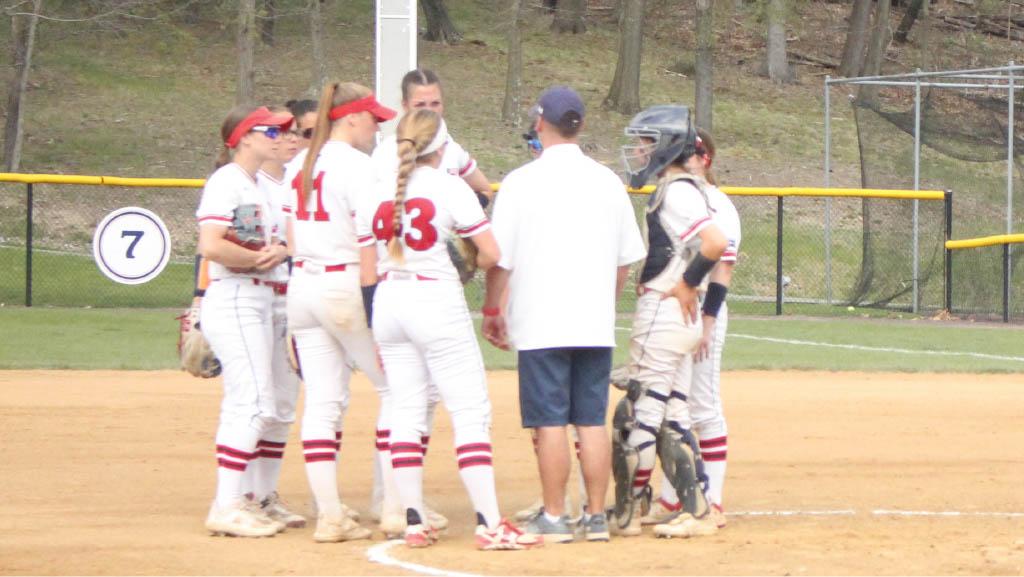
pixel 51 338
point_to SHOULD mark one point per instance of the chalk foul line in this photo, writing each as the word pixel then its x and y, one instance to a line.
pixel 379 554
pixel 877 349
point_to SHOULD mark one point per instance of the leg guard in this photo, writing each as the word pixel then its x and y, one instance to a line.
pixel 626 461
pixel 682 464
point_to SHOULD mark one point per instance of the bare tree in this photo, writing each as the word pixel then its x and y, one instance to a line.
pixel 570 17
pixel 776 62
pixel 909 17
pixel 316 32
pixel 23 38
pixel 246 48
pixel 624 95
pixel 440 27
pixel 704 64
pixel 514 75
pixel 268 18
pixel 856 38
pixel 877 46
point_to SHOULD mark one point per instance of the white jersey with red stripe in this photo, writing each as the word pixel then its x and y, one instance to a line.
pixel 324 226
pixel 437 207
pixel 727 219
pixel 684 212
pixel 278 194
pixel 455 161
pixel 227 189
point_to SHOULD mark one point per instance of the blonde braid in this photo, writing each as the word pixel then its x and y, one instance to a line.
pixel 415 132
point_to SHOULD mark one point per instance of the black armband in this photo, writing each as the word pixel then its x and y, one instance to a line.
pixel 196 291
pixel 699 267
pixel 484 201
pixel 368 292
pixel 714 299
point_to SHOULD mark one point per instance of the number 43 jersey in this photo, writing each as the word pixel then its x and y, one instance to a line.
pixel 324 224
pixel 437 206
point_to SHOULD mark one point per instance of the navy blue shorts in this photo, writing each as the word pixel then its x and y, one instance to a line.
pixel 563 386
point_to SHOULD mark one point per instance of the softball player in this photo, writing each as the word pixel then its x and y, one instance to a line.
pixel 236 313
pixel 263 474
pixel 421 89
pixel 424 330
pixel 325 306
pixel 684 243
pixel 705 395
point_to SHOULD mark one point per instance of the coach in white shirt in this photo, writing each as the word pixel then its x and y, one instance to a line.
pixel 568 234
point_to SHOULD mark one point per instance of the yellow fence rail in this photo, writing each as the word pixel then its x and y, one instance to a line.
pixel 1005 240
pixel 985 241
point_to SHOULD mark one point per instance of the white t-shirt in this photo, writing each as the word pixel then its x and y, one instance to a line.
pixel 325 227
pixel 727 219
pixel 278 195
pixel 227 189
pixel 437 207
pixel 684 213
pixel 564 224
pixel 455 161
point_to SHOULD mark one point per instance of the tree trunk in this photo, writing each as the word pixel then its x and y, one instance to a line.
pixel 624 95
pixel 877 46
pixel 776 61
pixel 514 75
pixel 866 275
pixel 269 16
pixel 23 39
pixel 909 17
pixel 316 32
pixel 440 27
pixel 550 6
pixel 704 64
pixel 570 17
pixel 246 47
pixel 856 39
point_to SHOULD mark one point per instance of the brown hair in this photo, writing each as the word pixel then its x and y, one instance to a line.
pixel 418 77
pixel 415 132
pixel 709 148
pixel 234 117
pixel 335 94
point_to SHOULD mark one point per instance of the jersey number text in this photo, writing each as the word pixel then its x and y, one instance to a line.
pixel 300 210
pixel 422 212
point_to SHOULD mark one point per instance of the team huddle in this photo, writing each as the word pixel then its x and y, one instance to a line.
pixel 323 252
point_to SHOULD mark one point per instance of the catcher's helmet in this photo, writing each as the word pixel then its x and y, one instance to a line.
pixel 662 134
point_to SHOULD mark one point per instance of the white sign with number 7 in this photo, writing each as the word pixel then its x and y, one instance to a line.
pixel 131 245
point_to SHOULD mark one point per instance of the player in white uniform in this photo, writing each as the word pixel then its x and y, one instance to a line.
pixel 262 476
pixel 236 313
pixel 705 395
pixel 422 325
pixel 684 243
pixel 325 305
pixel 421 89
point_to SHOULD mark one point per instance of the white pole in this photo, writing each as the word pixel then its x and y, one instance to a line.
pixel 1009 174
pixel 395 52
pixel 917 183
pixel 828 201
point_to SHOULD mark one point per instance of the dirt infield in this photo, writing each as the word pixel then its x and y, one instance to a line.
pixel 112 473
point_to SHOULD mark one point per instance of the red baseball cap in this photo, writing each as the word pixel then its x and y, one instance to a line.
pixel 262 116
pixel 367 104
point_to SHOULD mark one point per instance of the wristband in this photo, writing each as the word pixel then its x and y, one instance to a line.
pixel 368 303
pixel 484 201
pixel 699 267
pixel 491 311
pixel 714 299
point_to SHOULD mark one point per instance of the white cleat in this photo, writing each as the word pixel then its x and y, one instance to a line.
pixel 240 519
pixel 718 516
pixel 275 508
pixel 686 525
pixel 437 521
pixel 634 528
pixel 660 513
pixel 335 529
pixel 349 512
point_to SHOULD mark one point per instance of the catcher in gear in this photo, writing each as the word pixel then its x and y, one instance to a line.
pixel 683 245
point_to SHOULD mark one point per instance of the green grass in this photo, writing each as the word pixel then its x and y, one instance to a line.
pixel 52 338
pixel 74 281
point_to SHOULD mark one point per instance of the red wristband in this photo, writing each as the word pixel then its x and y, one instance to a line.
pixel 491 311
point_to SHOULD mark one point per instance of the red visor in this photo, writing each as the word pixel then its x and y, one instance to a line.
pixel 367 104
pixel 262 116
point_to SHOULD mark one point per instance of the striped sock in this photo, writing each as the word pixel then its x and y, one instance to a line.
pixel 266 468
pixel 476 468
pixel 714 451
pixel 407 462
pixel 231 466
pixel 322 470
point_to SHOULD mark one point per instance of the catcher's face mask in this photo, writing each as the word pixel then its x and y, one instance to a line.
pixel 636 156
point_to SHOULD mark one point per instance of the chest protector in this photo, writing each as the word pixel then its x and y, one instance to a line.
pixel 659 245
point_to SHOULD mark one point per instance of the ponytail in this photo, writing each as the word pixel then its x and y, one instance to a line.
pixel 414 133
pixel 321 131
pixel 223 157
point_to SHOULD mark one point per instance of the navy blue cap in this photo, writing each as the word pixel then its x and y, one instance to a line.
pixel 556 103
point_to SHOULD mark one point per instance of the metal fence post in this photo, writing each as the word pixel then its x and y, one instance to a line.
pixel 1006 282
pixel 1009 191
pixel 28 244
pixel 948 218
pixel 917 186
pixel 828 184
pixel 778 259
